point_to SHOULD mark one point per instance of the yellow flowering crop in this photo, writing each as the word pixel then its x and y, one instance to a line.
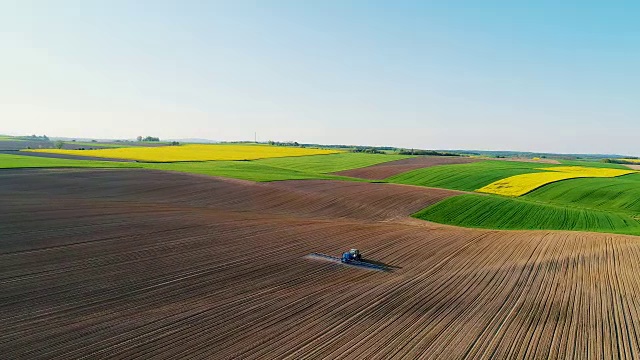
pixel 632 160
pixel 193 152
pixel 521 184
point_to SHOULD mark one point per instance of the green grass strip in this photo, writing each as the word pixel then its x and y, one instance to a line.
pixel 245 170
pixel 619 194
pixel 9 161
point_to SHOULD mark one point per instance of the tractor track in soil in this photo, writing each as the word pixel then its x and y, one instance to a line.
pixel 138 264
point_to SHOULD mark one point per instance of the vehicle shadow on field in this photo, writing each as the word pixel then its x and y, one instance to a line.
pixel 386 267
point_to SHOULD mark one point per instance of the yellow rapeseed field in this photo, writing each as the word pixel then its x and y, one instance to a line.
pixel 521 184
pixel 193 152
pixel 632 160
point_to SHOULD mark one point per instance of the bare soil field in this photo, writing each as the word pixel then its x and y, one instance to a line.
pixel 17 145
pixel 385 170
pixel 633 167
pixel 59 156
pixel 33 144
pixel 139 264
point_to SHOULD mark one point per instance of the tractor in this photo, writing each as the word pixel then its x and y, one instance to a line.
pixel 351 255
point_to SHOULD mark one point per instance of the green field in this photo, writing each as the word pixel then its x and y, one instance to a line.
pixel 467 177
pixel 287 168
pixel 494 212
pixel 620 194
pixel 589 204
pixel 19 161
pixel 245 170
pixel 330 163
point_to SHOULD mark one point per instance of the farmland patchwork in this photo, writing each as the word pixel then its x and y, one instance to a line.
pixel 591 199
pixel 588 198
pixel 519 185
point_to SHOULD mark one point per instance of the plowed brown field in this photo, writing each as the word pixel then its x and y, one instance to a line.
pixel 59 156
pixel 385 170
pixel 139 264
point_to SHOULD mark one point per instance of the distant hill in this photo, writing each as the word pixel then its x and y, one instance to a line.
pixel 534 154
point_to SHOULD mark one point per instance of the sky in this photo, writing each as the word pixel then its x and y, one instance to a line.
pixel 548 76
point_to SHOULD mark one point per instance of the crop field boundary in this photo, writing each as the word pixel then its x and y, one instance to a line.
pixel 301 168
pixel 555 182
pixel 466 177
pixel 519 185
pixel 578 178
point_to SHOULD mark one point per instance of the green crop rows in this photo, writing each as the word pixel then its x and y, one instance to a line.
pixel 20 161
pixel 590 204
pixel 245 170
pixel 621 194
pixel 494 212
pixel 324 164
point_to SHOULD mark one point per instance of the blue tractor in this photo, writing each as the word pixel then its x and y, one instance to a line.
pixel 351 255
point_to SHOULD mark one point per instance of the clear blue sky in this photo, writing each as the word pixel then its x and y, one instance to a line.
pixel 533 76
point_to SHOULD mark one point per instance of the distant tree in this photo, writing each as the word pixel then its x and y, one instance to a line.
pixel 151 138
pixel 74 140
pixel 36 137
pixel 139 138
pixel 94 140
pixel 271 142
pixel 59 144
pixel 175 143
pixel 426 152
